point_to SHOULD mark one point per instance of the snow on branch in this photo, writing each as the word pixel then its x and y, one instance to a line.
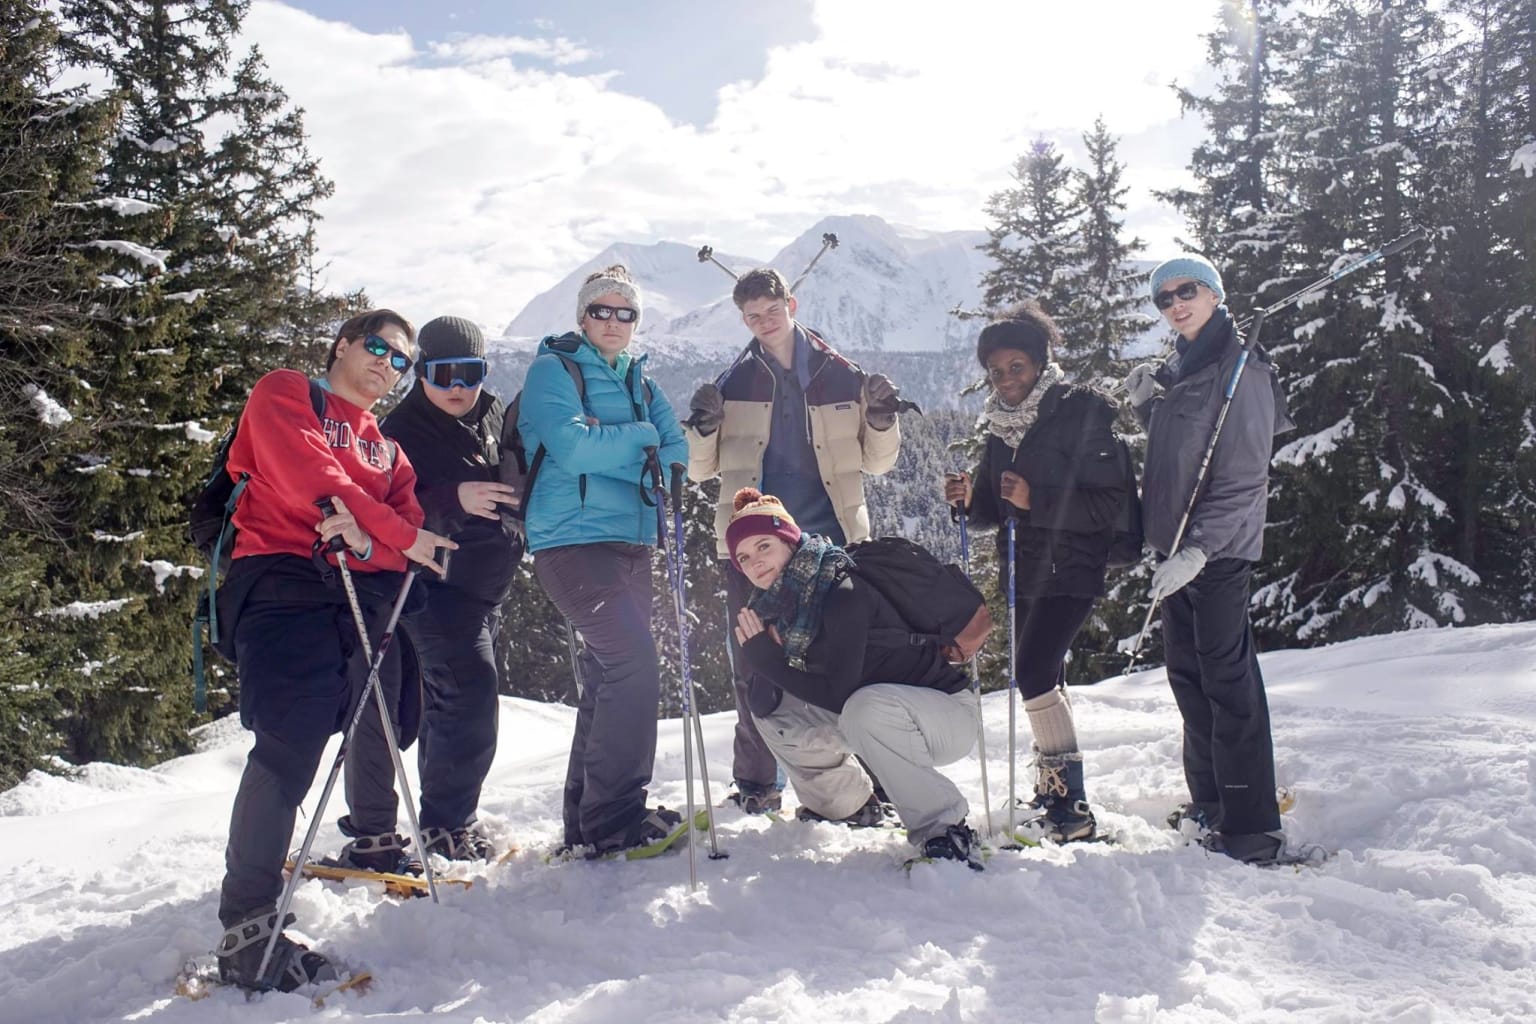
pixel 1316 446
pixel 164 570
pixel 1498 358
pixel 102 537
pixel 146 257
pixel 1524 159
pixel 85 609
pixel 121 206
pixel 50 412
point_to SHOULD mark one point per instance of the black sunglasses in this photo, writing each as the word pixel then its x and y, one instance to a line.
pixel 623 314
pixel 1183 293
pixel 377 346
pixel 447 374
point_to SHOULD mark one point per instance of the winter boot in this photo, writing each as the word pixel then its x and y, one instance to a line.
pixel 1196 816
pixel 292 964
pixel 874 814
pixel 652 827
pixel 957 842
pixel 1063 814
pixel 756 798
pixel 464 843
pixel 384 852
pixel 1258 848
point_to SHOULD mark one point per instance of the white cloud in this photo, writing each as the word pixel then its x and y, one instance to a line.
pixel 468 180
pixel 474 49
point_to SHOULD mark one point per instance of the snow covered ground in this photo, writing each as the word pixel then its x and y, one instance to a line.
pixel 1414 756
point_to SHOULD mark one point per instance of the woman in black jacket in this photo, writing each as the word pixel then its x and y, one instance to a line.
pixel 828 684
pixel 1050 464
pixel 450 429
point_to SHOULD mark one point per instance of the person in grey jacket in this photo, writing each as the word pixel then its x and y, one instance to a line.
pixel 1202 581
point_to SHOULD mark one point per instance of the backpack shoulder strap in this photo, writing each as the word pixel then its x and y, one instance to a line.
pixel 317 400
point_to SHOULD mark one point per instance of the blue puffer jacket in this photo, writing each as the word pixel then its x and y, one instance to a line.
pixel 588 488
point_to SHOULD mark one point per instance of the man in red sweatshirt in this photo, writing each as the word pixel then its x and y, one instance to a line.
pixel 294 637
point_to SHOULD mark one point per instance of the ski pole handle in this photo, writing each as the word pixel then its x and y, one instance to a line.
pixel 678 471
pixel 337 543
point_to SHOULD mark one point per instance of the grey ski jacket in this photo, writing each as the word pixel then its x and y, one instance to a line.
pixel 1228 517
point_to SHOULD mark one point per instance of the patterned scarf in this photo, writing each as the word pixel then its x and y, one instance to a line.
pixel 793 602
pixel 1012 422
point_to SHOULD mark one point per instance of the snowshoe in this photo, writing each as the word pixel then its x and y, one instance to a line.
pixel 291 966
pixel 657 832
pixel 1061 811
pixel 875 813
pixel 464 843
pixel 957 842
pixel 383 853
pixel 755 798
pixel 1263 849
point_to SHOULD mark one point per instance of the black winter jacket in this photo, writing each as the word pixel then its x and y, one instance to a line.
pixel 1076 491
pixel 843 658
pixel 447 451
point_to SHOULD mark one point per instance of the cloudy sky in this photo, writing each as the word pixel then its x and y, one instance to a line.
pixel 482 150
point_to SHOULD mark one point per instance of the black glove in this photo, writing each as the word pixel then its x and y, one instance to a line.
pixel 706 409
pixel 880 401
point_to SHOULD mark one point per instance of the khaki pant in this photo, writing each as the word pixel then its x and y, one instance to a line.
pixel 902 732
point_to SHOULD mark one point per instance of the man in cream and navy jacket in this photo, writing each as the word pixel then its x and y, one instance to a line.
pixel 793 418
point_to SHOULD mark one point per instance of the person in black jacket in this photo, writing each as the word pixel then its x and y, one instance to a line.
pixel 450 428
pixel 1049 463
pixel 826 692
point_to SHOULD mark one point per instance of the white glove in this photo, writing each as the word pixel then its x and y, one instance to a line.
pixel 1181 567
pixel 1139 384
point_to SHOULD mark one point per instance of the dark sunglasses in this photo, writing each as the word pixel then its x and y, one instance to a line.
pixel 377 346
pixel 451 373
pixel 1183 293
pixel 623 314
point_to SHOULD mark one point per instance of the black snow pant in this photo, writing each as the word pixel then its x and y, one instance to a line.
pixel 1046 629
pixel 302 670
pixel 1213 669
pixel 455 636
pixel 604 590
pixel 752 761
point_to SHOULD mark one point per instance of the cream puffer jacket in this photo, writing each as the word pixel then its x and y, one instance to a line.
pixel 846 446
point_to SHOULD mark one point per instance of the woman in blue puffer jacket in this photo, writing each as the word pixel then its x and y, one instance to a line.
pixel 592 532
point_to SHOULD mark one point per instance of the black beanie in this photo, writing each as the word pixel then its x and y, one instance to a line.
pixel 1023 335
pixel 449 337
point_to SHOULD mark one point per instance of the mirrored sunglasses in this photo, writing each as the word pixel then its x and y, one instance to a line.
pixel 1183 293
pixel 454 373
pixel 377 346
pixel 623 314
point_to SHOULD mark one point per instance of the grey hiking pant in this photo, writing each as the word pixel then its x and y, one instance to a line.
pixel 903 732
pixel 604 591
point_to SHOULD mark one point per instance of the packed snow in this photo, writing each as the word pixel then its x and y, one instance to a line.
pixel 1413 757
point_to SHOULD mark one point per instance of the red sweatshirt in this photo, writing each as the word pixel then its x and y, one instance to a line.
pixel 293 462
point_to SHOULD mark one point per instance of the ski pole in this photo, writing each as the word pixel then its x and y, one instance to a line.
pixel 1013 668
pixel 828 241
pixel 691 708
pixel 374 666
pixel 959 515
pixel 707 255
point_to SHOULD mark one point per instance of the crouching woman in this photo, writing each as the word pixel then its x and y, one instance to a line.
pixel 828 690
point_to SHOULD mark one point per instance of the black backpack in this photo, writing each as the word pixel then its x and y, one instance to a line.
pixel 936 600
pixel 1125 549
pixel 519 471
pixel 210 523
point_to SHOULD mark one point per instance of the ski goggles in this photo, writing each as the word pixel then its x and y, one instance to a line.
pixel 447 374
pixel 623 314
pixel 1183 293
pixel 377 346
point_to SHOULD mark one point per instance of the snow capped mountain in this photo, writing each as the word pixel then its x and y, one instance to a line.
pixel 883 287
pixel 671 278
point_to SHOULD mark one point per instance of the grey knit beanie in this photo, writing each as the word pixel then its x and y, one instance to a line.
pixel 602 285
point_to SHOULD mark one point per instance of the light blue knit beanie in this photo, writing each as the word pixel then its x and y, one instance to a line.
pixel 1196 268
